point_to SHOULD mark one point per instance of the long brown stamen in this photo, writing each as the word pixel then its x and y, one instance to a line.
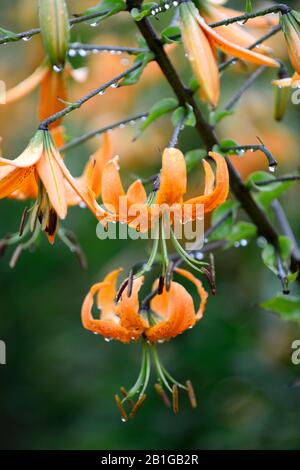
pixel 191 394
pixel 160 391
pixel 138 405
pixel 125 394
pixel 175 399
pixel 124 416
pixel 16 255
pixel 23 221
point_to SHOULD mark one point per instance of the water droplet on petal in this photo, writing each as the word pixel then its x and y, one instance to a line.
pixel 27 38
pixel 93 25
pixel 114 85
pixel 82 53
pixel 57 68
pixel 123 420
pixel 107 340
pixel 122 125
pixel 244 242
pixel 72 52
pixel 82 205
pixel 102 92
pixel 132 122
pixel 272 168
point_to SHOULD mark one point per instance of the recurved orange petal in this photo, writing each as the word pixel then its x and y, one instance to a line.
pixel 107 294
pixel 172 178
pixel 180 315
pixel 233 49
pixel 200 289
pixel 12 179
pixel 128 310
pixel 109 328
pixel 27 85
pixel 53 89
pixel 51 175
pixel 112 188
pixel 219 195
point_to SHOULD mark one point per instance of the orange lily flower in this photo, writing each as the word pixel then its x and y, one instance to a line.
pixel 173 311
pixel 173 185
pixel 42 160
pixel 200 41
pixel 235 33
pixel 260 22
pixel 53 90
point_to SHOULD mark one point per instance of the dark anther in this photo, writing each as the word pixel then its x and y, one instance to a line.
pixel 130 283
pixel 23 221
pixel 161 284
pixel 156 183
pixel 52 223
pixel 121 290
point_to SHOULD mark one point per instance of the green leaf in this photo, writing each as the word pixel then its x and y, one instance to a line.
pixel 193 158
pixel 248 8
pixel 217 116
pixel 112 6
pixel 286 248
pixel 287 307
pixel 171 34
pixel 186 116
pixel 178 115
pixel 269 258
pixel 227 143
pixel 224 230
pixel 138 15
pixel 133 77
pixel 164 106
pixel 267 193
pixel 241 231
pixel 190 119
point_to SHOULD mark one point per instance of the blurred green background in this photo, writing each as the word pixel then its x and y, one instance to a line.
pixel 56 391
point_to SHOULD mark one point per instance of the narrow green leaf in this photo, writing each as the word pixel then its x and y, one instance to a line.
pixel 217 116
pixel 269 258
pixel 287 307
pixel 112 6
pixel 160 108
pixel 241 231
pixel 227 143
pixel 171 34
pixel 133 77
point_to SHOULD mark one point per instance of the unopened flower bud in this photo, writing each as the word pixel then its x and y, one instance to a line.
pixel 291 28
pixel 54 23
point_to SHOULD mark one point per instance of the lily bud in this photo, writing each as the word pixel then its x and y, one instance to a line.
pixel 291 28
pixel 54 23
pixel 281 100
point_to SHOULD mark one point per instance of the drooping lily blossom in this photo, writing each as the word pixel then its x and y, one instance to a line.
pixel 236 33
pixel 53 90
pixel 172 188
pixel 216 6
pixel 171 314
pixel 200 42
pixel 42 160
pixel 291 28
